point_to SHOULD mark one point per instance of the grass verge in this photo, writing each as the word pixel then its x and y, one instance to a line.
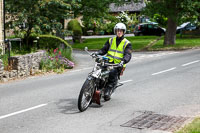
pixel 182 43
pixel 193 127
pixel 139 43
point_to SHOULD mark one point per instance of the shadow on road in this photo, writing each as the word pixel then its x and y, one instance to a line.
pixel 94 105
pixel 68 106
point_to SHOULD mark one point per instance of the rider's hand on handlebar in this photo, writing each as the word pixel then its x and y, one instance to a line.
pixel 94 54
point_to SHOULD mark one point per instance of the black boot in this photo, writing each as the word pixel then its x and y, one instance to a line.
pixel 107 93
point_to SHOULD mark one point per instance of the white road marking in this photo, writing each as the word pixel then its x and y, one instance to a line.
pixel 81 69
pixel 22 111
pixel 190 63
pixel 140 57
pixel 164 71
pixel 126 81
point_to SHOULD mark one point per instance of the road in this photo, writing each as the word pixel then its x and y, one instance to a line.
pixel 98 36
pixel 165 83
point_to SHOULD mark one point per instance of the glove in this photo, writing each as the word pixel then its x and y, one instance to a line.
pixel 94 54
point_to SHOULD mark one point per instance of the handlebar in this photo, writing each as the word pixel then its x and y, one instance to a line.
pixel 113 65
pixel 103 58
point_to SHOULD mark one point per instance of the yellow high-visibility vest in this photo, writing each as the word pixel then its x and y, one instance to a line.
pixel 116 54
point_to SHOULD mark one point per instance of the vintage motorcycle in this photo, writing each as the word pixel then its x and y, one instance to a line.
pixel 93 88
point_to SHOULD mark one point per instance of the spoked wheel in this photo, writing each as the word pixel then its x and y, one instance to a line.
pixel 86 94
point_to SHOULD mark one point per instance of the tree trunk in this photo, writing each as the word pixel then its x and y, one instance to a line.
pixel 27 35
pixel 170 35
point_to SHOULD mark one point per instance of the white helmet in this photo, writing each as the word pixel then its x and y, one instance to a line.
pixel 120 26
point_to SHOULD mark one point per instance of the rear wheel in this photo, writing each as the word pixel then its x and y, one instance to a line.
pixel 86 94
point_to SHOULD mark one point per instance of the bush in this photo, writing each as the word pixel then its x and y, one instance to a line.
pixel 75 27
pixel 56 61
pixel 110 28
pixel 4 58
pixel 49 42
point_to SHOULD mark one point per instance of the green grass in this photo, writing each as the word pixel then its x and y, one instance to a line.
pixel 193 127
pixel 181 43
pixel 138 42
pixel 92 44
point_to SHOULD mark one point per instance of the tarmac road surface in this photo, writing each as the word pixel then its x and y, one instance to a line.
pixel 165 83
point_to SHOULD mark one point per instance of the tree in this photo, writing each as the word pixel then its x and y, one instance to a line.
pixel 42 16
pixel 92 12
pixel 175 11
pixel 93 9
pixel 96 14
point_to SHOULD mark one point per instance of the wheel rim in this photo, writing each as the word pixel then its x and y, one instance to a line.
pixel 87 96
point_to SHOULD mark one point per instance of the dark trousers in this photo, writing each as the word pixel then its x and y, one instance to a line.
pixel 113 78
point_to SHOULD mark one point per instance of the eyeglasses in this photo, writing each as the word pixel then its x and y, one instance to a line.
pixel 119 30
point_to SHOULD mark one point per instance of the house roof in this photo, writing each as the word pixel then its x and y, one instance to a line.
pixel 129 6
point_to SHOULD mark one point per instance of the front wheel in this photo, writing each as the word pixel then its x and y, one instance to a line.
pixel 86 94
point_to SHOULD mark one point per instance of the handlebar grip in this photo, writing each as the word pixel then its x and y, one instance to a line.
pixel 105 58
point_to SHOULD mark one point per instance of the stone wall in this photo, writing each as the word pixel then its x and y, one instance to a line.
pixel 22 66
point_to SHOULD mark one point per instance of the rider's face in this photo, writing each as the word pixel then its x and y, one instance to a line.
pixel 119 32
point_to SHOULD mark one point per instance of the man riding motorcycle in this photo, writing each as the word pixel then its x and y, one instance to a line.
pixel 118 49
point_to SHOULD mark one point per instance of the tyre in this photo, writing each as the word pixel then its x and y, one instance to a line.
pixel 86 94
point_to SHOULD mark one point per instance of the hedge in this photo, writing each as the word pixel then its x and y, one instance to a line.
pixel 75 26
pixel 52 42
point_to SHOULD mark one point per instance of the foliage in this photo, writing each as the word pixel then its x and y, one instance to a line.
pixel 94 12
pixel 124 18
pixel 179 9
pixel 40 16
pixel 129 20
pixel 134 19
pixel 75 27
pixel 101 24
pixel 193 127
pixel 1 50
pixel 161 20
pixel 174 11
pixel 4 58
pixel 111 21
pixel 49 42
pixel 110 27
pixel 45 42
pixel 56 61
